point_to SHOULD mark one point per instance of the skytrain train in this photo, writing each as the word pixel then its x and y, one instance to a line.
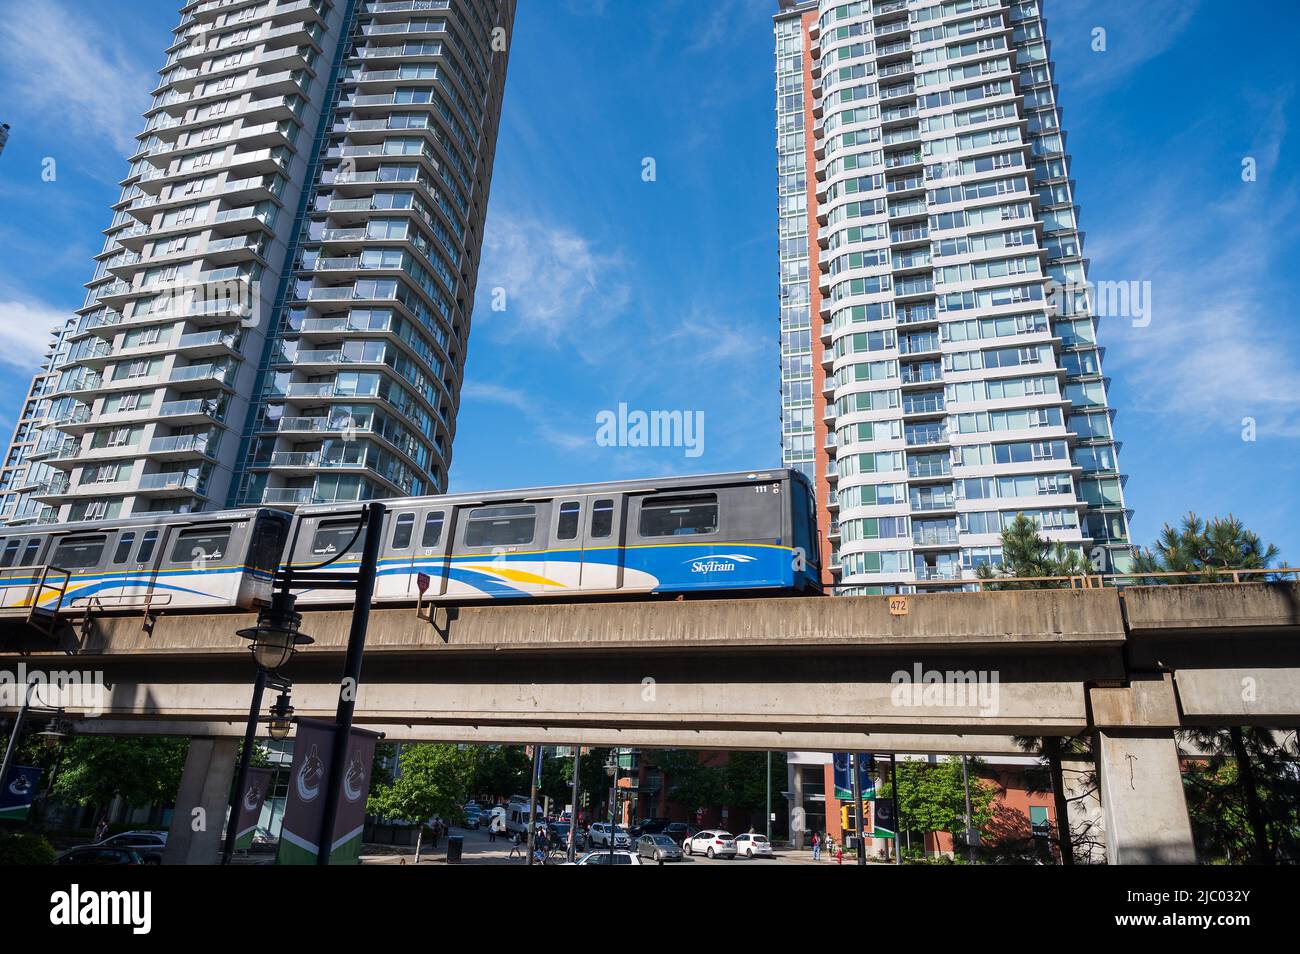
pixel 721 532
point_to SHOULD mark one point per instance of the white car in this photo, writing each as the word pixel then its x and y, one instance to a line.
pixel 711 842
pixel 753 846
pixel 604 858
pixel 598 836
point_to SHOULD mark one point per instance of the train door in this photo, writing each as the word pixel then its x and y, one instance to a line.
pixel 564 558
pixel 603 556
pixel 148 555
pixel 432 547
pixel 396 579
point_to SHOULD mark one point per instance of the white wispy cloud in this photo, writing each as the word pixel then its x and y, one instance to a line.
pixel 60 68
pixel 534 412
pixel 1135 33
pixel 556 282
pixel 25 332
pixel 1221 345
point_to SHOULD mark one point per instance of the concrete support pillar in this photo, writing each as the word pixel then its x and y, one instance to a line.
pixel 1145 814
pixel 798 822
pixel 205 783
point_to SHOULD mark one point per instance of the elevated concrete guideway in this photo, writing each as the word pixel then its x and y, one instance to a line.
pixel 814 674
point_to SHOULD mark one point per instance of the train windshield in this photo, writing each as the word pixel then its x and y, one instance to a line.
pixel 335 535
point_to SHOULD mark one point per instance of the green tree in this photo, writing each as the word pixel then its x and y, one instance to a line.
pixel 1204 549
pixel 1026 554
pixel 141 771
pixel 933 798
pixel 431 780
pixel 1243 818
pixel 691 782
pixel 745 775
pixel 500 771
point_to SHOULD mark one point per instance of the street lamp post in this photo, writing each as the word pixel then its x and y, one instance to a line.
pixel 52 734
pixel 273 642
pixel 612 769
pixel 573 812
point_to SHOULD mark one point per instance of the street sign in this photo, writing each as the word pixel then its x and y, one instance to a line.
pixel 422 582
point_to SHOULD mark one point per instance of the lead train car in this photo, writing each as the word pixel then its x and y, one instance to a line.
pixel 216 560
pixel 743 531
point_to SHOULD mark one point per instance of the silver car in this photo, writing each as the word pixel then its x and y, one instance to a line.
pixel 659 848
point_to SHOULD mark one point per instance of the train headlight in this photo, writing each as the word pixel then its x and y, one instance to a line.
pixel 276 636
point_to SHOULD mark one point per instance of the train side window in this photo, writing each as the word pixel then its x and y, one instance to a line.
pixel 567 529
pixel 333 535
pixel 11 552
pixel 679 516
pixel 29 554
pixel 193 545
pixel 147 543
pixel 403 530
pixel 602 518
pixel 124 547
pixel 78 553
pixel 510 525
pixel 432 529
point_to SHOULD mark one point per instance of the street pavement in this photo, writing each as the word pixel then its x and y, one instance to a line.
pixel 478 849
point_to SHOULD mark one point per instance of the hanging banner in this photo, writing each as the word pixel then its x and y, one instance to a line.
pixel 844 779
pixel 305 806
pixel 882 819
pixel 18 792
pixel 250 806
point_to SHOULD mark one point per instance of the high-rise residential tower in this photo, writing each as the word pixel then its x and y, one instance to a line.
pixel 940 365
pixel 281 308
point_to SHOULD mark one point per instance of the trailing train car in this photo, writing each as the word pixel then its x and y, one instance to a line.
pixel 222 560
pixel 741 531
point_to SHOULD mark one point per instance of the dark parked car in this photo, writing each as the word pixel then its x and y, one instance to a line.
pixel 98 855
pixel 678 831
pixel 650 826
pixel 148 845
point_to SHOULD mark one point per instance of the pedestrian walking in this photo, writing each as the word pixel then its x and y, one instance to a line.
pixel 817 847
pixel 101 830
pixel 514 846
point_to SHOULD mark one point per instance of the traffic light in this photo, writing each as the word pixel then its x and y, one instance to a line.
pixel 846 823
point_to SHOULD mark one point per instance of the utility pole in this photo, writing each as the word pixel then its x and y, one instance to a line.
pixel 532 800
pixel 893 795
pixel 245 758
pixel 855 765
pixel 768 813
pixel 970 825
pixel 351 676
pixel 613 808
pixel 573 812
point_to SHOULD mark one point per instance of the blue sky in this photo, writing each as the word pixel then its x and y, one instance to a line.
pixel 662 294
